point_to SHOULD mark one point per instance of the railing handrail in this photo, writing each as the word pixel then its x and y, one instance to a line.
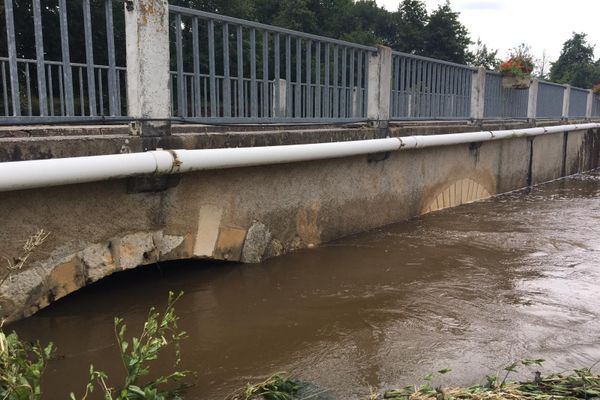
pixel 434 60
pixel 271 28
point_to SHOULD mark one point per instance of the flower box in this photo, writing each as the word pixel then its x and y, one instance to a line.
pixel 515 82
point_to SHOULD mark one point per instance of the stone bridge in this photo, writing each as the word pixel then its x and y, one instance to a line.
pixel 290 141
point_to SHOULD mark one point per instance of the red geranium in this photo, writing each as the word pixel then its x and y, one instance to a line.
pixel 516 66
pixel 596 89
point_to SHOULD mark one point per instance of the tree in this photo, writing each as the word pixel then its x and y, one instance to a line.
pixel 410 22
pixel 575 65
pixel 445 37
pixel 483 57
pixel 542 66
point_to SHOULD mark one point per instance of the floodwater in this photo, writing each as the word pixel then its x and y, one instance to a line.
pixel 471 289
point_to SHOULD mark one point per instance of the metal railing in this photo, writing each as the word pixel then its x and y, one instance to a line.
pixel 502 103
pixel 65 61
pixel 578 103
pixel 550 100
pixel 248 71
pixel 425 88
pixel 72 86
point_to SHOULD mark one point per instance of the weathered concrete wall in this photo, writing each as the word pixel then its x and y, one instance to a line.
pixel 249 214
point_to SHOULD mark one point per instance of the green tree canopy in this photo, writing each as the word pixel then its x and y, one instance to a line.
pixel 411 20
pixel 445 37
pixel 482 56
pixel 576 65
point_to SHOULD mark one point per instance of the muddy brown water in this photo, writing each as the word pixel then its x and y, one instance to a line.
pixel 471 288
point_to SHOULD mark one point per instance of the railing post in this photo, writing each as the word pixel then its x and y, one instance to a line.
pixel 478 94
pixel 566 102
pixel 379 87
pixel 589 109
pixel 279 97
pixel 533 99
pixel 148 91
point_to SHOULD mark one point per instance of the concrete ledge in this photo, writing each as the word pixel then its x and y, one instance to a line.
pixel 43 142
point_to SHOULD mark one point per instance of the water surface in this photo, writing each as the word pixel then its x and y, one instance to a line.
pixel 471 288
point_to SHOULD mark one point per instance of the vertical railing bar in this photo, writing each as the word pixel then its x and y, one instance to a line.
pixel 240 72
pixel 453 92
pixel 234 98
pixel 366 82
pixel 441 90
pixel 419 94
pixel 171 93
pixel 277 75
pixel 359 84
pixel 28 85
pixel 81 94
pixel 436 99
pixel 12 58
pixel 298 91
pixel 309 112
pixel 185 95
pixel 288 75
pixel 51 90
pixel 112 71
pixel 89 57
pixel 212 69
pixel 39 55
pixel 336 80
pixel 403 86
pixel 66 58
pixel 318 112
pixel 118 92
pixel 226 73
pixel 196 61
pixel 327 105
pixel 265 66
pixel 428 91
pixel 253 85
pixel 205 85
pixel 344 84
pixel 179 61
pixel 413 79
pixel 101 92
pixel 352 106
pixel 4 89
pixel 61 90
pixel 218 102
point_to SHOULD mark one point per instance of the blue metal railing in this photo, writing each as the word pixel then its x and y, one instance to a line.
pixel 248 67
pixel 550 100
pixel 578 103
pixel 227 70
pixel 62 90
pixel 425 88
pixel 503 103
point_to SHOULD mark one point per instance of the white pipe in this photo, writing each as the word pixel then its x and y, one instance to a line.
pixel 20 175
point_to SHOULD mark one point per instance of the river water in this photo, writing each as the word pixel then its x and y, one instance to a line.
pixel 471 289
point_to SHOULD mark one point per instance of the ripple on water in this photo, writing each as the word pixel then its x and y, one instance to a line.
pixel 471 288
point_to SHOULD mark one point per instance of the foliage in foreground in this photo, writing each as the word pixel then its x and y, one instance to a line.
pixel 581 384
pixel 21 364
pixel 21 367
pixel 276 387
pixel 159 331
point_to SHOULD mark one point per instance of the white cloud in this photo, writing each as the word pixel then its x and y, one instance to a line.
pixel 542 24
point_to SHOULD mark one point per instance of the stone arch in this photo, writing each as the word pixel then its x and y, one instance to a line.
pixel 458 192
pixel 48 280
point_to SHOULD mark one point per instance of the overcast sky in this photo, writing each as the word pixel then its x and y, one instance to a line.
pixel 543 24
